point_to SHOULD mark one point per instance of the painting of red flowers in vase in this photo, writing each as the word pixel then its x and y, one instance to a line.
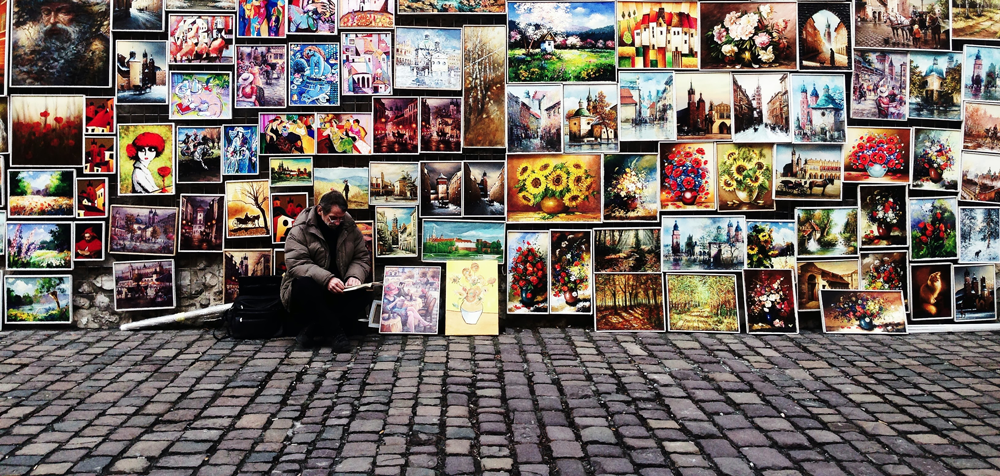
pixel 527 272
pixel 748 35
pixel 886 271
pixel 770 295
pixel 554 188
pixel 882 217
pixel 877 155
pixel 687 180
pixel 570 288
pixel 933 231
pixel 848 311
pixel 46 131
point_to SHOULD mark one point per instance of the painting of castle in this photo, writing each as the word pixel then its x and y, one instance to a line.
pixel 935 92
pixel 704 112
pixel 818 108
pixel 703 243
pixel 808 172
pixel 980 81
pixel 658 35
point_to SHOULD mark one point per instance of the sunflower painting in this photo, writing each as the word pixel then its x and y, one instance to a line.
pixel 554 188
pixel 745 177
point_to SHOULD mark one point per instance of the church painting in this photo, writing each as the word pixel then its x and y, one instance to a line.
pixel 704 111
pixel 808 172
pixel 703 243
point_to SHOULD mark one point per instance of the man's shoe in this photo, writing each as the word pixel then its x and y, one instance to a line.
pixel 306 339
pixel 340 344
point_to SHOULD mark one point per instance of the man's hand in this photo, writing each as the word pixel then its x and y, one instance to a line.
pixel 352 281
pixel 335 285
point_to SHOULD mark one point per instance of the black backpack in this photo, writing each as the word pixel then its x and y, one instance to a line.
pixel 257 312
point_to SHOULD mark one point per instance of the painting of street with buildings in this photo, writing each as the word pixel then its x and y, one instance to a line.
pixel 485 188
pixel 144 285
pixel 827 274
pixel 141 72
pixel 560 42
pixel 979 83
pixel 975 293
pixel 238 264
pixel 980 178
pixel 38 299
pixel 261 76
pixel 703 112
pixel 825 42
pixel 880 85
pixel 702 303
pixel 428 58
pixel 440 189
pixel 935 85
pixel 808 171
pixel 202 222
pixel 703 243
pixel 760 108
pixel 591 118
pixel 534 118
pixel 143 230
pixel 817 103
pixel 627 302
pixel 894 25
pixel 395 124
pixel 396 232
pixel 393 183
pixel 647 105
pixel 658 35
pixel 446 240
pixel 440 124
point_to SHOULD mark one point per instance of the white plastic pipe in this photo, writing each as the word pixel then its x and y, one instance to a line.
pixel 172 318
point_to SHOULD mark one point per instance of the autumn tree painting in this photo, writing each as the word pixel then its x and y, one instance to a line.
pixel 483 115
pixel 629 302
pixel 702 302
pixel 246 207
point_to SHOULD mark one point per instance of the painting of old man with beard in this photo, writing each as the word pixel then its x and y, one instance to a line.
pixel 60 43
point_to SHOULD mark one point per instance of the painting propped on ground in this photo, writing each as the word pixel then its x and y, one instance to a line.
pixel 571 280
pixel 702 303
pixel 471 298
pixel 770 301
pixel 629 303
pixel 527 271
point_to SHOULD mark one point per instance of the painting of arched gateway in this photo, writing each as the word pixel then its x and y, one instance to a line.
pixel 818 275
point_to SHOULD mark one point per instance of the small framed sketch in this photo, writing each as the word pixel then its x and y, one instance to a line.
pixel 291 172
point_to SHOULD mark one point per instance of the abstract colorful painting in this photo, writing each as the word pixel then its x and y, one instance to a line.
pixel 471 298
pixel 99 158
pixel 344 133
pixel 643 38
pixel 312 16
pixel 367 61
pixel 367 14
pixel 146 163
pixel 314 74
pixel 627 302
pixel 411 298
pixel 201 95
pixel 261 18
pixel 444 6
pixel 200 39
pixel 285 208
pixel 99 114
pixel 287 134
pixel 92 197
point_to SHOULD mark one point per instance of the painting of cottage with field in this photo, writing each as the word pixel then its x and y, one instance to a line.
pixel 37 299
pixel 702 303
pixel 629 302
pixel 560 42
pixel 41 193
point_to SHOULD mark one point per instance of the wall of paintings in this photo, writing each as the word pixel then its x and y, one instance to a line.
pixel 632 166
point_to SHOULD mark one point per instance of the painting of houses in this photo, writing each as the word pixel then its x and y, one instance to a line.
pixel 395 124
pixel 366 62
pixel 808 171
pixel 428 58
pixel 705 111
pixel 396 232
pixel 936 87
pixel 760 108
pixel 703 243
pixel 143 230
pixel 440 124
pixel 141 72
pixel 825 41
pixel 202 222
pixel 815 276
pixel 440 189
pixel 591 123
pixel 817 105
pixel 367 13
pixel 393 183
pixel 238 264
pixel 144 285
pixel 646 106
pixel 658 35
pixel 980 178
pixel 534 118
pixel 560 42
pixel 485 189
pixel 880 85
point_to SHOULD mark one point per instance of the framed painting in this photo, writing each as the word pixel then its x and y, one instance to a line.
pixel 199 154
pixel 771 244
pixel 449 240
pixel 746 177
pixel 261 18
pixel 631 185
pixel 703 243
pixel 935 159
pixel 571 273
pixel 873 28
pixel 202 223
pixel 60 44
pixel 440 6
pixel 753 119
pixel 287 134
pixel 882 215
pixel 471 303
pixel 367 228
pixel 99 158
pixel 200 39
pixel 91 197
pixel 527 271
pixel 487 198
pixel 933 228
pixel 825 36
pixel 770 301
pixel 147 149
pixel 687 176
pixel 41 193
pixel 441 193
pixel 975 293
pixel 393 183
pixel 937 95
pixel 534 54
pixel 645 42
pixel 278 262
pixel 649 118
pixel 886 270
pixel 366 61
pixel 880 85
pixel 862 312
pixel 285 208
pixel 202 5
pixel 46 131
pixel 591 123
pixel 143 230
pixel 440 125
pixel 396 123
pixel 371 14
pixel 348 133
pixel 877 155
pixel 240 150
pixel 312 17
pixel 981 122
pixel 733 24
pixel 145 285
pixel 247 204
pixel 238 264
pixel 88 241
pixel 814 276
pixel 979 181
pixel 99 116
pixel 808 172
pixel 705 112
pixel 146 81
pixel 201 95
pixel 291 172
pixel 829 232
pixel 428 58
pixel 977 84
pixel 261 76
pixel 553 188
pixel 701 303
pixel 817 106
pixel 350 181
pixel 4 114
pixel 317 84
pixel 3 232
pixel 978 232
pixel 396 232
pixel 38 299
pixel 932 292
pixel 626 250
pixel 534 118
pixel 411 298
pixel 39 246
pixel 484 70
pixel 629 302
pixel 139 15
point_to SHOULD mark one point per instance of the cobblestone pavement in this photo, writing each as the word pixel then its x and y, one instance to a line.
pixel 552 401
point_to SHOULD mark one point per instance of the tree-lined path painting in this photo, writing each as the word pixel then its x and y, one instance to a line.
pixel 629 302
pixel 702 302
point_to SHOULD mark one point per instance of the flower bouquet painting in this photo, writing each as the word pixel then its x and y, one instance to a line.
pixel 882 216
pixel 553 188
pixel 933 231
pixel 471 298
pixel 748 35
pixel 687 176
pixel 771 244
pixel 935 159
pixel 527 272
pixel 770 295
pixel 630 187
pixel 862 312
pixel 570 289
pixel 886 271
pixel 877 155
pixel 745 177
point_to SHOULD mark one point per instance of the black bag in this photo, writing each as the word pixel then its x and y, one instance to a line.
pixel 257 312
